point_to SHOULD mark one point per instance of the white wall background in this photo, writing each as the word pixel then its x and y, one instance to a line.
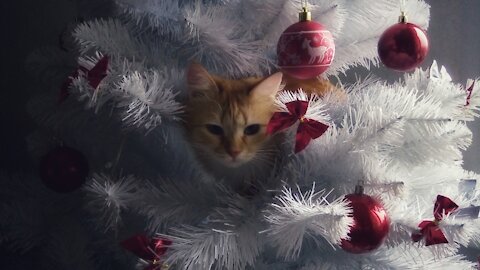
pixel 455 43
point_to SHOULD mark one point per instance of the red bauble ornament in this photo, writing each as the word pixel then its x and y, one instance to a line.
pixel 63 169
pixel 305 49
pixel 370 227
pixel 403 46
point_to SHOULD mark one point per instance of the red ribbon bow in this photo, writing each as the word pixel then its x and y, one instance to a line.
pixel 307 130
pixel 469 93
pixel 94 77
pixel 147 249
pixel 429 229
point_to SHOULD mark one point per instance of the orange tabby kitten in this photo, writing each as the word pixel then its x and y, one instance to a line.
pixel 226 119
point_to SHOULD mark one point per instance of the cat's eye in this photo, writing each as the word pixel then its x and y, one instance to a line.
pixel 252 129
pixel 214 129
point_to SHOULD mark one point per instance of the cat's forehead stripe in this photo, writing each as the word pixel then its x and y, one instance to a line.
pixel 233 112
pixel 233 95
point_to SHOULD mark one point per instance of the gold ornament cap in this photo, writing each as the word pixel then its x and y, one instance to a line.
pixel 359 187
pixel 304 15
pixel 402 18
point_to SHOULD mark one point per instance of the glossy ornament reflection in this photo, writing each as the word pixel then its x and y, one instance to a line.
pixel 371 224
pixel 403 46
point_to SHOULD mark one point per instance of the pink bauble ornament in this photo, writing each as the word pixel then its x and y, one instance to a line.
pixel 63 169
pixel 370 227
pixel 403 46
pixel 305 49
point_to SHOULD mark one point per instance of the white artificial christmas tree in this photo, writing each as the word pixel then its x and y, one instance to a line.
pixel 403 140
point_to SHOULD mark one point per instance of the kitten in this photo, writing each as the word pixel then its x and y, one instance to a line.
pixel 226 119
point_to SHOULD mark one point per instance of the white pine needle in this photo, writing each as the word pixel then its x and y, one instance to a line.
pixel 108 198
pixel 299 215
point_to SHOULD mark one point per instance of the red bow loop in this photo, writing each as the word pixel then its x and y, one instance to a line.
pixel 150 250
pixel 443 206
pixel 94 76
pixel 307 130
pixel 432 233
pixel 280 121
pixel 297 108
pixel 429 229
pixel 98 72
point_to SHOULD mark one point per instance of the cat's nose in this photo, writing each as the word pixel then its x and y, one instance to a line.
pixel 234 153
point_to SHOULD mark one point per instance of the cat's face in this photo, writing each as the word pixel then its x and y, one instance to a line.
pixel 226 119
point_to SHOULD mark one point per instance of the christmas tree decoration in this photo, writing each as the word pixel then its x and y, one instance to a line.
pixel 63 169
pixel 429 229
pixel 403 46
pixel 370 223
pixel 94 76
pixel 274 210
pixel 469 93
pixel 297 110
pixel 108 196
pixel 305 49
pixel 149 250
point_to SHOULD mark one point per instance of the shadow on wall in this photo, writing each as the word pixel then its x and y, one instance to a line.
pixel 27 26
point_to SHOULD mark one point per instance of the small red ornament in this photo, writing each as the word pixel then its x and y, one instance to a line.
pixel 371 223
pixel 305 49
pixel 403 46
pixel 63 169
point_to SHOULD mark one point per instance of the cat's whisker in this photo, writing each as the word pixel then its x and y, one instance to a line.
pixel 268 154
pixel 265 159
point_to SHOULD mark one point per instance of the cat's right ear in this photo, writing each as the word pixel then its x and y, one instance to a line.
pixel 268 87
pixel 200 83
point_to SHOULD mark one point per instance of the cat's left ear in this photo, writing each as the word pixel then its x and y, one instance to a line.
pixel 199 81
pixel 269 86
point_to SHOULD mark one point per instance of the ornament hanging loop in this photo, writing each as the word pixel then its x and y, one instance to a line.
pixel 403 16
pixel 304 4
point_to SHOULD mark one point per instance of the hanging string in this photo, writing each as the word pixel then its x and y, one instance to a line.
pixel 119 155
pixel 403 17
pixel 304 4
pixel 402 6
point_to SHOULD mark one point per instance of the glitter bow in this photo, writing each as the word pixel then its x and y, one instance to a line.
pixel 430 229
pixel 149 250
pixel 307 130
pixel 94 76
